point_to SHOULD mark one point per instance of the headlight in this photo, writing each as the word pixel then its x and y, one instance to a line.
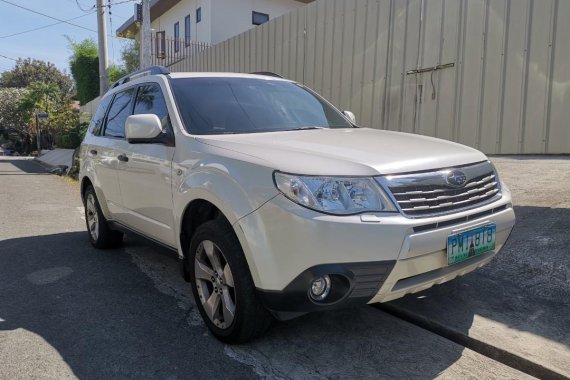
pixel 334 195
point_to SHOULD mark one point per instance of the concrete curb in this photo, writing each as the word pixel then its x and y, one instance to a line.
pixel 57 161
pixel 501 355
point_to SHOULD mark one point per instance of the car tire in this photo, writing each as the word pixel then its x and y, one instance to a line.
pixel 222 283
pixel 100 234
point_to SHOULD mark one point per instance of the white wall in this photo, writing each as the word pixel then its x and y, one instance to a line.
pixel 221 19
pixel 201 32
pixel 232 17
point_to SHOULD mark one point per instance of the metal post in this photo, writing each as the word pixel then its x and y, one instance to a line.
pixel 103 59
pixel 145 35
pixel 38 137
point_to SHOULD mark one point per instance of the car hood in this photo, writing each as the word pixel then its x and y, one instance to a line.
pixel 355 151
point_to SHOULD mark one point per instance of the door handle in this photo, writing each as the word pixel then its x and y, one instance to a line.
pixel 122 158
pixel 92 152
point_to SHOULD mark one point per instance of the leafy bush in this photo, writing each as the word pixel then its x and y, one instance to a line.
pixel 84 64
pixel 72 138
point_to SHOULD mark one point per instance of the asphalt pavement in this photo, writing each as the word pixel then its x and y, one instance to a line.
pixel 70 311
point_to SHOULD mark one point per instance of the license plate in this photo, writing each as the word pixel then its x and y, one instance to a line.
pixel 471 243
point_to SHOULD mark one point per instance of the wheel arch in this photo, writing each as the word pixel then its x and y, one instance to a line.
pixel 86 181
pixel 201 210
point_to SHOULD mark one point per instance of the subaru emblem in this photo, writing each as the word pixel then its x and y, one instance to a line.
pixel 456 178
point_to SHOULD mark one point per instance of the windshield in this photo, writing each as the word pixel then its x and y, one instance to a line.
pixel 248 105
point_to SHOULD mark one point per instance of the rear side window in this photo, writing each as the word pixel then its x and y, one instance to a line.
pixel 118 113
pixel 97 121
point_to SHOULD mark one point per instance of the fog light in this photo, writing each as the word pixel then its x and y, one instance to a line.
pixel 320 288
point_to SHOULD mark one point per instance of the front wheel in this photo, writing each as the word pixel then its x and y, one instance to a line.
pixel 100 234
pixel 222 285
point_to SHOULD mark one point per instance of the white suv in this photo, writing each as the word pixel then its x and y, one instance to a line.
pixel 277 203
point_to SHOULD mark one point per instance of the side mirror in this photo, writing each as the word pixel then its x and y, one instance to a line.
pixel 350 116
pixel 141 129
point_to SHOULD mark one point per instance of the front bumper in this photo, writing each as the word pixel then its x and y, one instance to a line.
pixel 287 246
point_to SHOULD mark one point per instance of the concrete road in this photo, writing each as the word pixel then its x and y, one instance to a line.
pixel 68 310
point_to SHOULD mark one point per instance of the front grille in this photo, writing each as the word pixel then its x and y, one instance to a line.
pixel 429 194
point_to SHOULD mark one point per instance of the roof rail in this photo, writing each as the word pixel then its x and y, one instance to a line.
pixel 153 70
pixel 267 73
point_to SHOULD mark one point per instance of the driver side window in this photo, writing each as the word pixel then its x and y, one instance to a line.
pixel 150 100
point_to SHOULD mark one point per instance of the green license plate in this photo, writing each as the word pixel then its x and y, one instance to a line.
pixel 467 244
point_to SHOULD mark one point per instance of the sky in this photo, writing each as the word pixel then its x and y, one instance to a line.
pixel 49 44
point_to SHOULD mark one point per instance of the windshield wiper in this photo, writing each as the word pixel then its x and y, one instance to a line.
pixel 306 128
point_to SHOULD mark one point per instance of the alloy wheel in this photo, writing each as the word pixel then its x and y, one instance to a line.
pixel 92 217
pixel 215 284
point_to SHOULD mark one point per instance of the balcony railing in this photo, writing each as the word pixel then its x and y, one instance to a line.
pixel 167 51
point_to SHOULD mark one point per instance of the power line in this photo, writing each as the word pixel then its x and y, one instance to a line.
pixel 12 59
pixel 46 26
pixel 48 16
pixel 121 2
pixel 83 9
pixel 95 5
pixel 60 20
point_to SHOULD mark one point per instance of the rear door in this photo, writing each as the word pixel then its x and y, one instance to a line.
pixel 146 178
pixel 111 147
pixel 103 163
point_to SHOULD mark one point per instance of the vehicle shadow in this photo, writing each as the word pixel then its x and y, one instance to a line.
pixel 102 315
pixel 107 319
pixel 521 299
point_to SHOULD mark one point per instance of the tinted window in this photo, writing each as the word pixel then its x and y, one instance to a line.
pixel 151 100
pixel 98 118
pixel 246 105
pixel 118 113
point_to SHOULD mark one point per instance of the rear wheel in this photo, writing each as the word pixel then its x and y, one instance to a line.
pixel 100 234
pixel 222 285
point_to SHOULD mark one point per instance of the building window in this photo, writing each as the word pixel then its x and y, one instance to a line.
pixel 160 44
pixel 176 37
pixel 258 18
pixel 187 30
pixel 198 14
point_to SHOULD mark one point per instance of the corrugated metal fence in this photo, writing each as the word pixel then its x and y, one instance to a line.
pixel 492 74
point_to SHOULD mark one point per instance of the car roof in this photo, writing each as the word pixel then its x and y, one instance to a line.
pixel 224 75
pixel 181 75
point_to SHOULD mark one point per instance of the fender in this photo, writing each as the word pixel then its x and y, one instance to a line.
pixel 87 172
pixel 213 184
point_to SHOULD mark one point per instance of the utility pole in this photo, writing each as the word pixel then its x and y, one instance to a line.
pixel 103 59
pixel 145 35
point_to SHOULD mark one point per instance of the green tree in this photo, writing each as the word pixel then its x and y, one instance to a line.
pixel 13 123
pixel 115 73
pixel 27 71
pixel 84 64
pixel 44 97
pixel 130 54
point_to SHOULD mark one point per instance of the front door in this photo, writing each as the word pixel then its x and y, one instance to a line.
pixel 145 177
